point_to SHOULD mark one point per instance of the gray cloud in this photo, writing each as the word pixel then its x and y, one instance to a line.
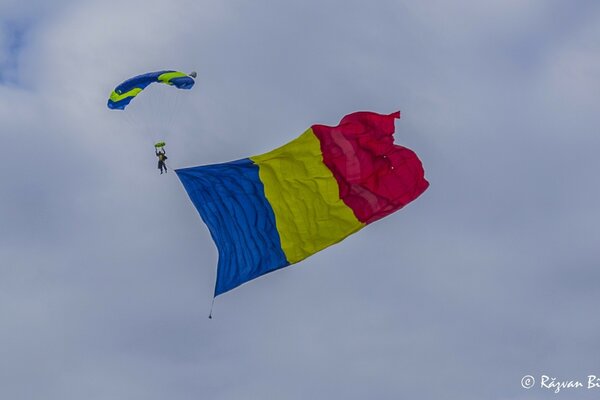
pixel 108 272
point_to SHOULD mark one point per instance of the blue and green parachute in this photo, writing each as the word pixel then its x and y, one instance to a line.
pixel 126 91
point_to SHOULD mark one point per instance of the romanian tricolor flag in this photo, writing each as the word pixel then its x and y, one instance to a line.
pixel 269 211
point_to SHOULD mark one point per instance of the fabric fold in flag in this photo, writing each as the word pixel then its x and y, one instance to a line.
pixel 269 211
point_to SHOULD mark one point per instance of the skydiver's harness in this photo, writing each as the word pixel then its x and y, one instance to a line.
pixel 161 156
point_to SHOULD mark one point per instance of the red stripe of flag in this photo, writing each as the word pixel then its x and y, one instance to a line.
pixel 375 176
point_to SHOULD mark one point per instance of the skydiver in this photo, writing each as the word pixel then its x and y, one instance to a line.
pixel 161 159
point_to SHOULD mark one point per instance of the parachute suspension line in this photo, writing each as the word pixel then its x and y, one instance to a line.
pixel 154 113
pixel 162 112
pixel 132 123
pixel 173 103
pixel 166 99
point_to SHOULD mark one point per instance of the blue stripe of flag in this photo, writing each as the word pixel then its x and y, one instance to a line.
pixel 231 200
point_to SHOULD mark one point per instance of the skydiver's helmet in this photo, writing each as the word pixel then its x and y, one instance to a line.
pixel 193 74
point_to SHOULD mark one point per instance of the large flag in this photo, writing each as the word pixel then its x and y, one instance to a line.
pixel 269 211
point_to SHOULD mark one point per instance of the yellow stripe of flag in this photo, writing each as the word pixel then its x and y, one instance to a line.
pixel 304 195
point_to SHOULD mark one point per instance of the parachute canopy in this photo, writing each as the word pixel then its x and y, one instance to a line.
pixel 269 211
pixel 126 91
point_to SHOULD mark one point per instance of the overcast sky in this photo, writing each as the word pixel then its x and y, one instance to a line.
pixel 107 271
